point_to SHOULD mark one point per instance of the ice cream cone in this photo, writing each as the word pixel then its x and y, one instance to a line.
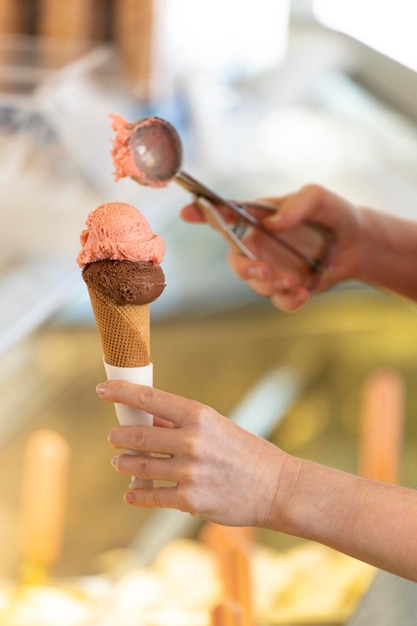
pixel 124 330
pixel 120 259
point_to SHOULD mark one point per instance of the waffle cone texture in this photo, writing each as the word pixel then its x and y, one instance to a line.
pixel 124 330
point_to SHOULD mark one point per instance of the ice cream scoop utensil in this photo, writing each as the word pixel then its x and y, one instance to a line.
pixel 216 221
pixel 157 153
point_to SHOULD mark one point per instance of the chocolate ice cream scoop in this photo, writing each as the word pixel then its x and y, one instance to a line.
pixel 126 282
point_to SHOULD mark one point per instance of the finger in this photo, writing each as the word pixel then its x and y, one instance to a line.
pixel 159 421
pixel 152 498
pixel 246 269
pixel 148 467
pixel 144 439
pixel 255 208
pixel 149 399
pixel 163 497
pixel 190 213
pixel 260 277
pixel 262 288
pixel 290 301
pixel 294 209
pixel 308 204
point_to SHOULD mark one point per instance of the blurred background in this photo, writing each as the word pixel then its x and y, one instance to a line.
pixel 267 96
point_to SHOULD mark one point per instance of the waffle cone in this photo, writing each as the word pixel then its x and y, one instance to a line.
pixel 124 330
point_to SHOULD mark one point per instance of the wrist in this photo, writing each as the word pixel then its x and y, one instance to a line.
pixel 369 244
pixel 310 501
pixel 285 493
pixel 304 512
pixel 387 252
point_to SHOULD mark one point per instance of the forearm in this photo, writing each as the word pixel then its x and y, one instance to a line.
pixel 372 521
pixel 388 253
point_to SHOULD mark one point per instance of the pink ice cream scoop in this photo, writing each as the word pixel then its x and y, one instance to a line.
pixel 124 164
pixel 148 151
pixel 118 231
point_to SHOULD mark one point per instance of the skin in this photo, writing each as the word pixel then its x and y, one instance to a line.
pixel 215 470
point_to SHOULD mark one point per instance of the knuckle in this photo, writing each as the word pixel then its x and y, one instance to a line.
pixel 187 500
pixel 150 499
pixel 195 440
pixel 138 438
pixel 141 466
pixel 157 499
pixel 194 448
pixel 145 395
pixel 190 447
pixel 201 415
pixel 314 190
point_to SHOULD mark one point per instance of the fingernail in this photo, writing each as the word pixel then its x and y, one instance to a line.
pixel 281 284
pixel 129 497
pixel 300 298
pixel 256 273
pixel 101 389
pixel 115 460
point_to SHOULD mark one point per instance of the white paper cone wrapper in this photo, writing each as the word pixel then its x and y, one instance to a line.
pixel 127 415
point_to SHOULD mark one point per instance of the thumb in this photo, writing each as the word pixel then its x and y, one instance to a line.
pixel 290 212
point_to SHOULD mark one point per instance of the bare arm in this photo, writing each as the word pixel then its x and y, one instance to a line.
pixel 370 520
pixel 220 472
pixel 389 253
